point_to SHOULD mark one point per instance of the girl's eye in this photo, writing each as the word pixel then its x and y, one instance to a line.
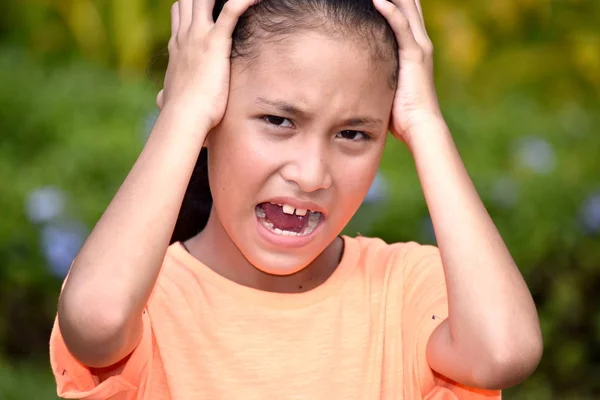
pixel 354 136
pixel 278 121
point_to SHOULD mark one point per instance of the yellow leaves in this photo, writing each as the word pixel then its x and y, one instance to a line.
pixel 460 41
pixel 78 19
pixel 106 30
pixel 508 15
pixel 132 39
pixel 533 4
pixel 87 27
pixel 517 40
pixel 48 36
pixel 505 13
pixel 586 55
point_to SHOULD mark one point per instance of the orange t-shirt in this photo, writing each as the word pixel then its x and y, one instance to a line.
pixel 360 335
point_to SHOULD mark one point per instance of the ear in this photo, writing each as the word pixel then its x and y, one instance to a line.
pixel 160 99
pixel 206 144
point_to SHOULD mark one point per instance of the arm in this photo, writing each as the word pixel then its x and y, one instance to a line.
pixel 492 337
pixel 112 277
pixel 100 308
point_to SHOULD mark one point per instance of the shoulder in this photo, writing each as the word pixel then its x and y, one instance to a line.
pixel 179 274
pixel 406 257
pixel 409 269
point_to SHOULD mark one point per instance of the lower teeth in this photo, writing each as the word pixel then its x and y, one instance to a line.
pixel 313 221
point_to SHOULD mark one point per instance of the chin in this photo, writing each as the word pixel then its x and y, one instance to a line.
pixel 279 264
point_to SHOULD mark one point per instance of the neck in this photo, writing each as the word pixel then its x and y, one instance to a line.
pixel 214 248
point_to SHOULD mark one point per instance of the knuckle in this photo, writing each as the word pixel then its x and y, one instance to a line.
pixel 211 40
pixel 232 8
pixel 203 29
pixel 172 46
pixel 215 35
pixel 403 24
pixel 427 48
pixel 196 34
pixel 227 9
pixel 207 46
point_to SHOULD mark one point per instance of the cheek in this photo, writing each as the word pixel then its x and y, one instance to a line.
pixel 237 163
pixel 354 177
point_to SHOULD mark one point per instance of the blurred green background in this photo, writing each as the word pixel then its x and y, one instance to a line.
pixel 519 82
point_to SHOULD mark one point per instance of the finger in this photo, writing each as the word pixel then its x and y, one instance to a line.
pixel 400 26
pixel 202 12
pixel 420 8
pixel 420 11
pixel 410 9
pixel 175 19
pixel 185 15
pixel 231 13
pixel 427 45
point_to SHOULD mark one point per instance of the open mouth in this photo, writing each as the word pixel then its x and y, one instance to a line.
pixel 285 220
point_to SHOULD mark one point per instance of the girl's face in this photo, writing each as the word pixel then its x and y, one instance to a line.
pixel 305 127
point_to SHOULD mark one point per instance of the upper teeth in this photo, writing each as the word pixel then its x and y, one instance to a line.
pixel 287 209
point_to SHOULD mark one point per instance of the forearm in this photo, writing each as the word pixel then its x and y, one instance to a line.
pixel 115 271
pixel 492 317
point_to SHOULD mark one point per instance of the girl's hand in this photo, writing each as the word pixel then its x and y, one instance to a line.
pixel 415 103
pixel 199 58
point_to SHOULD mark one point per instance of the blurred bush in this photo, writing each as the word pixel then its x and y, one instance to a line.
pixel 519 81
pixel 26 382
pixel 73 129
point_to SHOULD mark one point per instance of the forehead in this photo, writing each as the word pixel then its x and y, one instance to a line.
pixel 317 70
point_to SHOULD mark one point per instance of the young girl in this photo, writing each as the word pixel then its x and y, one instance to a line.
pixel 251 293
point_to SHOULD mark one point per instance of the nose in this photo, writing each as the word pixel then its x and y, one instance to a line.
pixel 309 168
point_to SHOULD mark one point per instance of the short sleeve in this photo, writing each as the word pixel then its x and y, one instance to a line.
pixel 76 381
pixel 424 308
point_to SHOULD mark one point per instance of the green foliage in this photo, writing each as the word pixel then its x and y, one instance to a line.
pixel 77 128
pixel 26 382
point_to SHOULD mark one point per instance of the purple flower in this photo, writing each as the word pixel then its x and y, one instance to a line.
pixel 378 190
pixel 45 204
pixel 536 154
pixel 61 243
pixel 590 214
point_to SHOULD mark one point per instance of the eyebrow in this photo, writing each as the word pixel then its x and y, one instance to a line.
pixel 361 121
pixel 282 106
pixel 295 111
